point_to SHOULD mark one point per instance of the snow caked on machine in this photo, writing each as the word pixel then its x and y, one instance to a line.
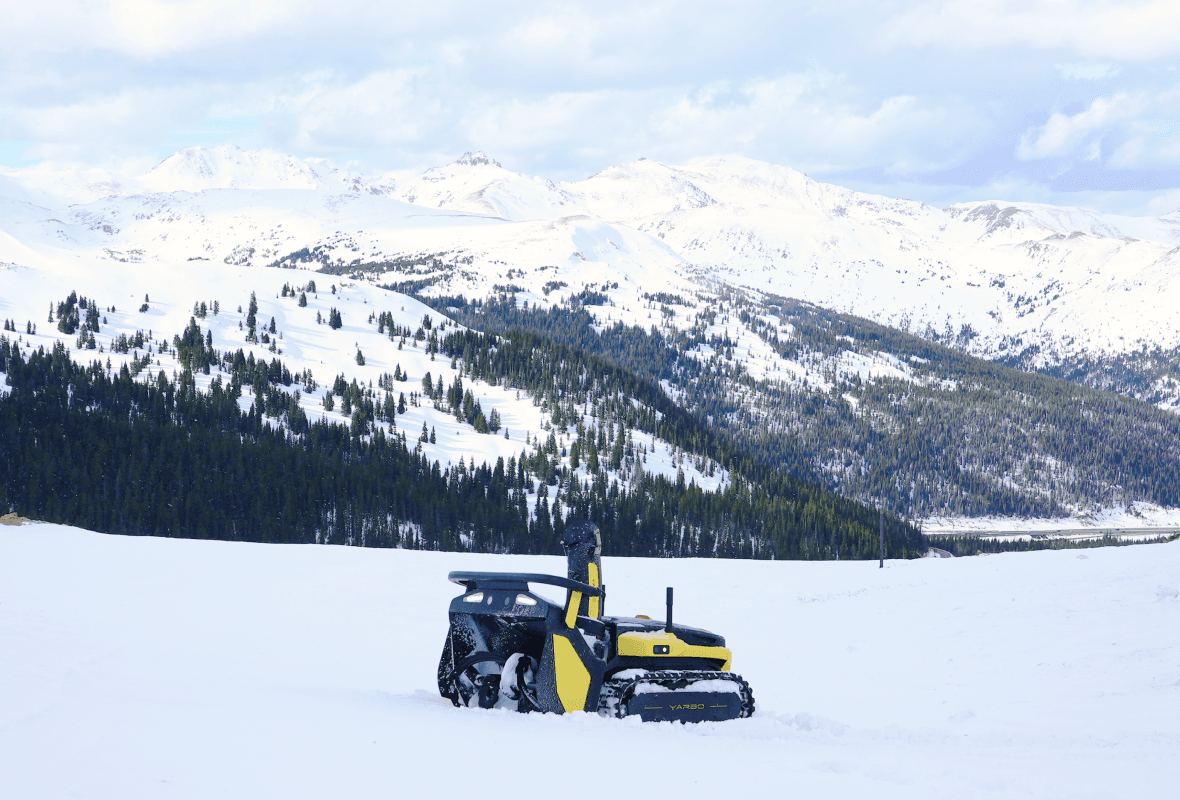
pixel 509 647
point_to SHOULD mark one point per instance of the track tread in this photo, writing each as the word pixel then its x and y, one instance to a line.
pixel 612 700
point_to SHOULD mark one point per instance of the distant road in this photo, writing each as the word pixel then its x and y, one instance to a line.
pixel 1125 534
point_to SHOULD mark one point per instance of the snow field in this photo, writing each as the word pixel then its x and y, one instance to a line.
pixel 1134 516
pixel 138 667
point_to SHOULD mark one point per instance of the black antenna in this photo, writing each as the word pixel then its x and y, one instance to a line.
pixel 668 622
pixel 882 542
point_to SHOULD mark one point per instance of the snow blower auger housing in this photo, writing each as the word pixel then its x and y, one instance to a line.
pixel 508 647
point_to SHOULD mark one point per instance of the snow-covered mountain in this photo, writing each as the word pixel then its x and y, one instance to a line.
pixel 226 216
pixel 194 169
pixel 695 261
pixel 228 167
pixel 1067 280
pixel 478 184
pixel 998 279
pixel 57 188
pixel 1017 274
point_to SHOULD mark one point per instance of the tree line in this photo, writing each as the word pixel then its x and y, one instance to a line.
pixel 103 449
pixel 962 436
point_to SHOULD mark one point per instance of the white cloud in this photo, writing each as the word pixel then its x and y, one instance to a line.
pixel 1063 134
pixel 116 125
pixel 888 91
pixel 153 28
pixel 1150 144
pixel 1088 71
pixel 814 122
pixel 1121 30
pixel 1140 131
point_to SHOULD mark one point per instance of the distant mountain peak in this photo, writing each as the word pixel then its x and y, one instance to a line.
pixel 195 169
pixel 476 159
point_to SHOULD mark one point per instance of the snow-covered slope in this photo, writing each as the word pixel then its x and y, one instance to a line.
pixel 1065 279
pixel 480 185
pixel 57 188
pixel 1018 274
pixel 477 252
pixel 140 668
pixel 216 231
pixel 998 279
pixel 193 169
pixel 228 167
pixel 1017 222
pixel 640 189
pixel 94 253
pixel 1068 280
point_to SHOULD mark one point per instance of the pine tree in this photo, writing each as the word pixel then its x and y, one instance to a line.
pixel 360 423
pixel 252 319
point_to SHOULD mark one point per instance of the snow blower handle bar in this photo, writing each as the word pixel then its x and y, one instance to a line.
pixel 518 581
pixel 668 622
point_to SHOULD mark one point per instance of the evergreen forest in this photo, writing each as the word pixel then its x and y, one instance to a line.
pixel 960 436
pixel 117 452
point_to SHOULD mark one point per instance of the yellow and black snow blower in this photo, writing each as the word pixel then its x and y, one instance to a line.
pixel 510 648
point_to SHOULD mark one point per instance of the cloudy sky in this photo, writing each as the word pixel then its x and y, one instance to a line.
pixel 1060 101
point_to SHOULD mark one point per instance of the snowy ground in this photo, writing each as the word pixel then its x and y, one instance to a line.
pixel 143 668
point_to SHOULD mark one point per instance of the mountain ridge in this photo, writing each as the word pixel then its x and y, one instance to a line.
pixel 1024 283
pixel 726 285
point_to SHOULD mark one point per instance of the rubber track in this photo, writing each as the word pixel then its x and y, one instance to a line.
pixel 612 700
